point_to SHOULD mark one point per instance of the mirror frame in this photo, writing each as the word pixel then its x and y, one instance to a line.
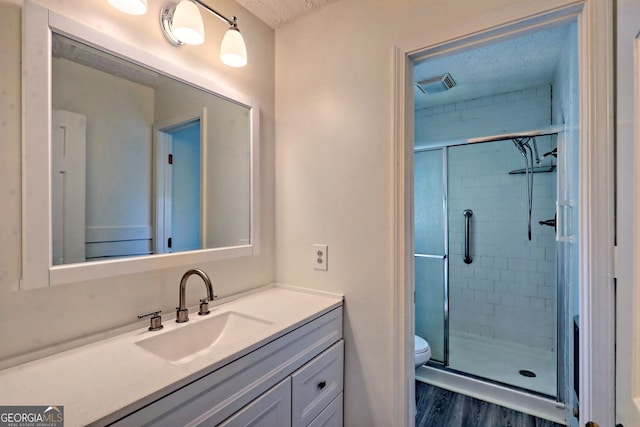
pixel 37 270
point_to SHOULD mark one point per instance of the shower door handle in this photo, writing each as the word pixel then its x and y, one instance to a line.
pixel 467 231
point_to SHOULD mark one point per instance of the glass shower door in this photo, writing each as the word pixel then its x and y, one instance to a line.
pixel 430 251
pixel 502 300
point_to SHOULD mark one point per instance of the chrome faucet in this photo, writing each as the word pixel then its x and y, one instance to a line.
pixel 182 314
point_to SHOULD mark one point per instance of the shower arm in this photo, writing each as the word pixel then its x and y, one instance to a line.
pixel 520 146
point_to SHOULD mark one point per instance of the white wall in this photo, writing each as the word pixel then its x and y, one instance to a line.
pixel 334 170
pixel 31 320
pixel 118 147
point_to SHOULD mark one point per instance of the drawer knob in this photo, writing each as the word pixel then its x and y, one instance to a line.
pixel 322 384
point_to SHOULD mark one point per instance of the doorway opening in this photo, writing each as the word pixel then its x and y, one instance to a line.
pixel 496 197
pixel 593 231
pixel 179 150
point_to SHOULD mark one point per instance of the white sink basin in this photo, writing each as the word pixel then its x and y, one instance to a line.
pixel 191 340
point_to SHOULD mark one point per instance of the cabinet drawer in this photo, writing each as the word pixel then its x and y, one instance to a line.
pixel 271 409
pixel 316 384
pixel 331 416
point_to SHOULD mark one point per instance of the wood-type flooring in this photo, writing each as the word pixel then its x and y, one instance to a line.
pixel 437 407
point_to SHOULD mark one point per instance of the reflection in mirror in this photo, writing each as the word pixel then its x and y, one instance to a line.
pixel 142 163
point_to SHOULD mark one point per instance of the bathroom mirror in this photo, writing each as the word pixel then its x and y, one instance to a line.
pixel 148 165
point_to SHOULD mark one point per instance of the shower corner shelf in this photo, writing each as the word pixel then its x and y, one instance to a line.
pixel 536 169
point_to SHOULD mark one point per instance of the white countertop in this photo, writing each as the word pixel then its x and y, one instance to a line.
pixel 101 378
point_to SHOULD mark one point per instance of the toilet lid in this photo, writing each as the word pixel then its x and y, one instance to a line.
pixel 421 345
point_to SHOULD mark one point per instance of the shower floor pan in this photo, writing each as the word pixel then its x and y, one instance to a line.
pixel 502 362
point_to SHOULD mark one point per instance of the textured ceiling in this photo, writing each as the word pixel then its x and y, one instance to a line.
pixel 277 13
pixel 506 66
pixel 514 64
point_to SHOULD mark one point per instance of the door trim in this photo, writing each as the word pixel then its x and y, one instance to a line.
pixel 597 220
pixel 595 27
pixel 627 209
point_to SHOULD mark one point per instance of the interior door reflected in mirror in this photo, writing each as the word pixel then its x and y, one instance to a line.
pixel 142 163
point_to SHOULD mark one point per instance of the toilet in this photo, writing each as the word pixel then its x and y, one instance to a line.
pixel 422 351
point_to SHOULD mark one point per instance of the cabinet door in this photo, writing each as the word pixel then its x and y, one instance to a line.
pixel 269 410
pixel 331 416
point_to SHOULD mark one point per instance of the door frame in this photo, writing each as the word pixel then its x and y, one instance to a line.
pixel 162 188
pixel 596 231
pixel 627 210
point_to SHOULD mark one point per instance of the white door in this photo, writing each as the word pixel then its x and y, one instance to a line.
pixel 185 200
pixel 68 183
pixel 628 210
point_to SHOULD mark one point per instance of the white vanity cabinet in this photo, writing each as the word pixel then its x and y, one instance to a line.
pixel 294 380
pixel 311 396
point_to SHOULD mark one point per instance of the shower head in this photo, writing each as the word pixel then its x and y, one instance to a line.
pixel 520 146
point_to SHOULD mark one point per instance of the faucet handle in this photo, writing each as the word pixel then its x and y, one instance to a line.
pixel 204 307
pixel 155 323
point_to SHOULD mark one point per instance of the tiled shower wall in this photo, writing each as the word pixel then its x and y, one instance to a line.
pixel 522 110
pixel 508 293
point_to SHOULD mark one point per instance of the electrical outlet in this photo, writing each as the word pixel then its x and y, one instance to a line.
pixel 320 257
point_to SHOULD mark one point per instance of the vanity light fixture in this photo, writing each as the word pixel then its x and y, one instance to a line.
pixel 182 24
pixel 132 7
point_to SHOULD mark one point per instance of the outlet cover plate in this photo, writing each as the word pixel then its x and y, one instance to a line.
pixel 320 257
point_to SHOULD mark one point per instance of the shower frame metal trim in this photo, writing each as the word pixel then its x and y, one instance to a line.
pixel 445 237
pixel 445 247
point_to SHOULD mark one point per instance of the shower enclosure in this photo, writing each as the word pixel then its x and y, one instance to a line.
pixel 496 196
pixel 485 259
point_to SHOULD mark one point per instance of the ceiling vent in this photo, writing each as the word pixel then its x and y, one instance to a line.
pixel 436 84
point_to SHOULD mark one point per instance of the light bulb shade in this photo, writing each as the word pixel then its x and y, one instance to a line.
pixel 132 7
pixel 233 51
pixel 187 25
